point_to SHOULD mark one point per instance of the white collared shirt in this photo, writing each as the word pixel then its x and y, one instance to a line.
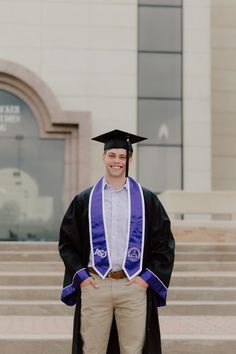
pixel 116 221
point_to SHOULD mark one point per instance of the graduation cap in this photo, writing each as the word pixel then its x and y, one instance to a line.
pixel 118 139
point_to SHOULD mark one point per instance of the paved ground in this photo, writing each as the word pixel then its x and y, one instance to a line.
pixel 36 325
pixel 171 327
pixel 198 326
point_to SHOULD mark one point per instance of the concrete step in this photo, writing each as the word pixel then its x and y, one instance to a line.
pixel 192 231
pixel 40 344
pixel 199 308
pixel 180 335
pixel 201 294
pixel 29 246
pixel 32 266
pixel 216 279
pixel 202 266
pixel 206 256
pixel 31 278
pixel 59 267
pixel 62 345
pixel 36 334
pixel 205 247
pixel 198 344
pixel 226 279
pixel 36 325
pixel 204 326
pixel 199 334
pixel 50 256
pixel 174 308
pixel 34 308
pixel 38 293
pixel 29 256
pixel 53 246
pixel 30 293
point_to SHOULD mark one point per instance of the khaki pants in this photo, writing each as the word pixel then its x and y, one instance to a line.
pixel 126 302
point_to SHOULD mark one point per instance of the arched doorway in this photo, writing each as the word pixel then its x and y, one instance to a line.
pixel 43 156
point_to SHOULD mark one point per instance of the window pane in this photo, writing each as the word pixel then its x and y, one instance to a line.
pixel 160 121
pixel 161 2
pixel 160 29
pixel 159 168
pixel 31 175
pixel 159 75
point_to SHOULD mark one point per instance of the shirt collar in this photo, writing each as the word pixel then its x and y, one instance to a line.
pixel 109 186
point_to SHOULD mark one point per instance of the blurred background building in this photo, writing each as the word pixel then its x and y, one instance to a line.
pixel 73 69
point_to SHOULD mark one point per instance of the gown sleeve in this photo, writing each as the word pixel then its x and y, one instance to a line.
pixel 160 252
pixel 70 245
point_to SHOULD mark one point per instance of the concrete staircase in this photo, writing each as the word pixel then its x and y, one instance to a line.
pixel 200 316
pixel 201 312
pixel 32 318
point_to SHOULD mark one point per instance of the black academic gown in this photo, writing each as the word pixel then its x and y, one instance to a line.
pixel 74 248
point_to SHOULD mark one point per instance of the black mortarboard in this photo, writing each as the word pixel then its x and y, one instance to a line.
pixel 118 139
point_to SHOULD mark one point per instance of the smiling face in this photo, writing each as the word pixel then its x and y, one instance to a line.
pixel 115 162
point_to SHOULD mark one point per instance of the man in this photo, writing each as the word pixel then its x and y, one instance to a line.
pixel 118 251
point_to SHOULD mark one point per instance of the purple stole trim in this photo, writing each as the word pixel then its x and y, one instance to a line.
pixel 132 265
pixel 69 293
pixel 135 239
pixel 99 248
pixel 157 285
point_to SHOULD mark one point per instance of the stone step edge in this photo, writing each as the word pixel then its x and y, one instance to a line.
pixel 205 274
pixel 203 224
pixel 163 336
pixel 196 302
pixel 201 243
pixel 39 263
pixel 202 274
pixel 24 252
pixel 28 245
pixel 35 274
pixel 200 326
pixel 29 242
pixel 197 252
pixel 57 287
pixel 34 262
pixel 200 288
pixel 31 302
pixel 33 287
pixel 59 262
pixel 201 337
pixel 43 244
pixel 180 262
pixel 44 252
pixel 40 337
pixel 169 303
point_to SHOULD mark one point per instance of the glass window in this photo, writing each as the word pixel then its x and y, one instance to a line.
pixel 159 29
pixel 160 167
pixel 160 121
pixel 31 175
pixel 159 75
pixel 161 2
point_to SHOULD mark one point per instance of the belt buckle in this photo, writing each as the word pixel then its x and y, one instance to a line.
pixel 109 275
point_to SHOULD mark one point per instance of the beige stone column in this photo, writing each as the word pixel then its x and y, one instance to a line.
pixel 224 94
pixel 197 95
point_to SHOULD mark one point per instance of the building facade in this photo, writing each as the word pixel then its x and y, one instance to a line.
pixel 70 70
